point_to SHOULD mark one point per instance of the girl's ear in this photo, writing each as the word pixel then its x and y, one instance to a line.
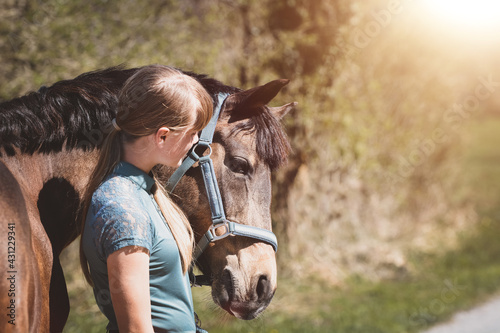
pixel 161 135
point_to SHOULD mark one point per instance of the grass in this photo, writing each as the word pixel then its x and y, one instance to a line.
pixel 438 285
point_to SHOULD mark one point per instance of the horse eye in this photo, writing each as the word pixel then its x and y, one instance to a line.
pixel 239 165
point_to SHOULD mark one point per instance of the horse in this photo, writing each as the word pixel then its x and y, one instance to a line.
pixel 49 143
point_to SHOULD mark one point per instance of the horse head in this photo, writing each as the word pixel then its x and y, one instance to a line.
pixel 248 144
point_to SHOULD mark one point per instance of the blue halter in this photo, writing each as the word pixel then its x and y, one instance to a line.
pixel 219 221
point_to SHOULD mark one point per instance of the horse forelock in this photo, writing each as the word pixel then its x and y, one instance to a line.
pixel 272 144
pixel 66 114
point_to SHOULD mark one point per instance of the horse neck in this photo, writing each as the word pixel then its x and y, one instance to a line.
pixel 33 171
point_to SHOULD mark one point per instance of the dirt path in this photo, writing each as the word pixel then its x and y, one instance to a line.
pixel 482 319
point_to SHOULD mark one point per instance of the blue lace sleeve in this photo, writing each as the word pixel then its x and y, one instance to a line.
pixel 119 218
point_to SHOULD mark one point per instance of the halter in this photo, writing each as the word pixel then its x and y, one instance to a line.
pixel 219 221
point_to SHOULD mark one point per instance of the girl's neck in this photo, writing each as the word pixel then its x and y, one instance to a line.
pixel 140 153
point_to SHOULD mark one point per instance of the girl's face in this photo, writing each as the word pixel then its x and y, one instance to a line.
pixel 176 146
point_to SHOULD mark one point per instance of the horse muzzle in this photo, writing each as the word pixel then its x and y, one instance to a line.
pixel 245 293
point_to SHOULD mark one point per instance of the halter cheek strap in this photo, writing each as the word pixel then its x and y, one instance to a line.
pixel 219 221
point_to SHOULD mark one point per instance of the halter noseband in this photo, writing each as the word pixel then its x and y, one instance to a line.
pixel 219 221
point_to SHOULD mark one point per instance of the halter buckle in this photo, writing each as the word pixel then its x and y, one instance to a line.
pixel 214 227
pixel 198 155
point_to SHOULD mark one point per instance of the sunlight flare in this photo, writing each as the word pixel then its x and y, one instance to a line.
pixel 469 14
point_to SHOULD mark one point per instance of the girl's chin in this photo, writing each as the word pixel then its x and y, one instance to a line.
pixel 175 165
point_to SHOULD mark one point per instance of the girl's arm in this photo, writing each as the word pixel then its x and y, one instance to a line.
pixel 128 271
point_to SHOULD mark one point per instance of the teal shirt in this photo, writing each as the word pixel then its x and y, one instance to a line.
pixel 123 212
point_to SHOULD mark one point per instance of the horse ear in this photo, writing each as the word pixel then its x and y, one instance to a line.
pixel 247 103
pixel 281 111
pixel 260 96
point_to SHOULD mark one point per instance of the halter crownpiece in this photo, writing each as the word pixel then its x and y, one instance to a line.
pixel 115 125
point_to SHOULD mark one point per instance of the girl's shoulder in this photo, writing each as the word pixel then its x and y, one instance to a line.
pixel 119 217
pixel 118 195
pixel 116 186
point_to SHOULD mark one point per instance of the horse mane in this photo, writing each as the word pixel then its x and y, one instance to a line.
pixel 70 114
pixel 65 113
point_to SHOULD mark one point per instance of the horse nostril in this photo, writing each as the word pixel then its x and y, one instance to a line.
pixel 263 287
pixel 228 283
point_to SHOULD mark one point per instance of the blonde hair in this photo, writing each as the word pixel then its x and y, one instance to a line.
pixel 155 96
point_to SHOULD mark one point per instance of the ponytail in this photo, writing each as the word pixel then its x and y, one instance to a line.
pixel 178 224
pixel 109 157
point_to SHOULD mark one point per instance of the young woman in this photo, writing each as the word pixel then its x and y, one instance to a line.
pixel 136 244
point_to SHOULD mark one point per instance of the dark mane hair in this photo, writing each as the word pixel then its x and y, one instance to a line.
pixel 64 113
pixel 75 114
